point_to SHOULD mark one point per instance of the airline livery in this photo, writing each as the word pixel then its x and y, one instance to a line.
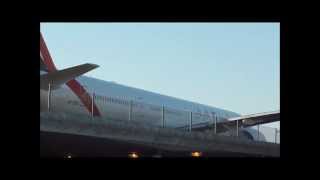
pixel 74 93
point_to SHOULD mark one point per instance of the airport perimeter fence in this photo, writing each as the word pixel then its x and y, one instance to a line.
pixel 154 115
pixel 270 134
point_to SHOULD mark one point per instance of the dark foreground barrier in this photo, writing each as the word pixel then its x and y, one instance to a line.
pixel 163 139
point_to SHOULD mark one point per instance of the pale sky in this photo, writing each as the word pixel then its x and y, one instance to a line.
pixel 234 66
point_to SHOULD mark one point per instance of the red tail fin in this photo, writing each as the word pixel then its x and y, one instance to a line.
pixel 74 85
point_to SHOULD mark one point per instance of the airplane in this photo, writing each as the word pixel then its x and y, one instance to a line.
pixel 73 92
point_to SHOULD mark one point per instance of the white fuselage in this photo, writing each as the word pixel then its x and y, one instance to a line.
pixel 113 101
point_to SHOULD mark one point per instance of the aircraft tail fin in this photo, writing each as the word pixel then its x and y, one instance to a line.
pixel 57 78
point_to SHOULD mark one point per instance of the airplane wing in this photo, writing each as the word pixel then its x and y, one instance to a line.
pixel 242 121
pixel 60 77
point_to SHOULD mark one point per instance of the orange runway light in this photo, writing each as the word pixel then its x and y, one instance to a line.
pixel 196 154
pixel 133 155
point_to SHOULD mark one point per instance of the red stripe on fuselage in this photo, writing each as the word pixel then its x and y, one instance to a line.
pixel 74 85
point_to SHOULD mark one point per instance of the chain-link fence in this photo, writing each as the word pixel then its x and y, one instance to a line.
pixel 121 109
pixel 267 134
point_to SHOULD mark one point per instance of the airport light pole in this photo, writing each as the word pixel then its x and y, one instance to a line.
pixel 49 97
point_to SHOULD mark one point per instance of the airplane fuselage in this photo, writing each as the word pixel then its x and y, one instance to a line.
pixel 113 101
pixel 119 102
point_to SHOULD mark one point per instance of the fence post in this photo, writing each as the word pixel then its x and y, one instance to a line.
pixel 190 122
pixel 275 138
pixel 92 103
pixel 237 128
pixel 49 97
pixel 215 124
pixel 162 116
pixel 130 110
pixel 258 132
